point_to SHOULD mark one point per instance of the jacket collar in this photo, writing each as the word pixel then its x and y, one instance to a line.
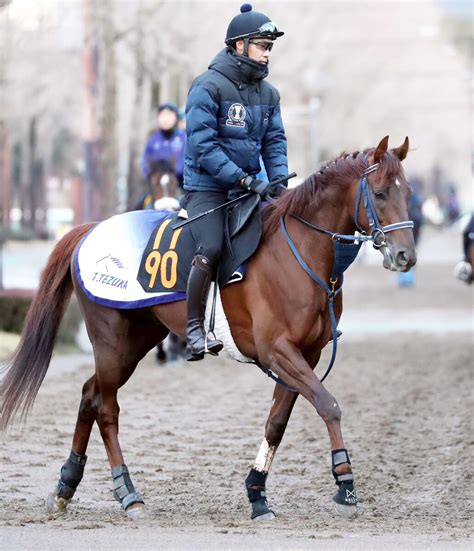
pixel 238 68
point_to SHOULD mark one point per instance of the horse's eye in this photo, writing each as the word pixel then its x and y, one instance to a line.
pixel 379 195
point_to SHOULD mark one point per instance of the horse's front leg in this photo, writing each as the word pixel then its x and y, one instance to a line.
pixel 255 483
pixel 287 361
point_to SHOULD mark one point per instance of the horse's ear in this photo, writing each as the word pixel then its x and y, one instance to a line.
pixel 402 151
pixel 381 149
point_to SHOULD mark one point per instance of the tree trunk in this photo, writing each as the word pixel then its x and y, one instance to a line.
pixel 5 181
pixel 135 179
pixel 108 126
pixel 90 67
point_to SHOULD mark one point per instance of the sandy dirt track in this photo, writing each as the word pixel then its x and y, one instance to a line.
pixel 190 433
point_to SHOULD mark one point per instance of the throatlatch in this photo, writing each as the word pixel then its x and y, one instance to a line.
pixel 346 494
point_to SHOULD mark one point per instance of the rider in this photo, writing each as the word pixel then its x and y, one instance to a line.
pixel 233 117
pixel 166 143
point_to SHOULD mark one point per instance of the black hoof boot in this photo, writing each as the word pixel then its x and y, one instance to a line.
pixel 346 495
pixel 255 486
pixel 197 292
pixel 71 475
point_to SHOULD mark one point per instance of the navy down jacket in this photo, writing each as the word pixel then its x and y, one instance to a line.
pixel 232 117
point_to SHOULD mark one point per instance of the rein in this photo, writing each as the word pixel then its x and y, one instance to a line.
pixel 344 253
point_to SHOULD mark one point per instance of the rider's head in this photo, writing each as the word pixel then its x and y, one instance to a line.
pixel 167 116
pixel 252 34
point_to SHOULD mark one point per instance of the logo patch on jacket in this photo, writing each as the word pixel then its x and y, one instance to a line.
pixel 236 115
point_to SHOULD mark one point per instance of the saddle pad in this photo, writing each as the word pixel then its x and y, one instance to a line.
pixel 168 254
pixel 107 261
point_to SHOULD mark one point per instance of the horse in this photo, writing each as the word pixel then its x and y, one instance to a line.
pixel 278 316
pixel 163 187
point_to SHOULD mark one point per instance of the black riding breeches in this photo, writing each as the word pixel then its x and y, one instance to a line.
pixel 208 232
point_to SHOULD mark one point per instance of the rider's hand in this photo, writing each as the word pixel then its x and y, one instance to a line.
pixel 256 186
pixel 276 190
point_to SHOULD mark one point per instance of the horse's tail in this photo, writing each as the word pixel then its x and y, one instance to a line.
pixel 27 368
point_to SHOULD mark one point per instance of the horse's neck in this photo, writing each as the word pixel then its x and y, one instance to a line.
pixel 332 212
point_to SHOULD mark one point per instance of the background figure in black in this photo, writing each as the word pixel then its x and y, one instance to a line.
pixel 463 269
pixel 415 213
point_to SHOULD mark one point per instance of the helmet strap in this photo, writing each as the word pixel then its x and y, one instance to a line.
pixel 246 47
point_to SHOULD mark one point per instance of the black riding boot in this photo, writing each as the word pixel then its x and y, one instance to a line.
pixel 197 292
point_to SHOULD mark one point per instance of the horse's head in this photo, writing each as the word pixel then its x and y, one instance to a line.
pixel 384 192
pixel 163 184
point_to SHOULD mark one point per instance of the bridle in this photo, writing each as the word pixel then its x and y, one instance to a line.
pixel 377 231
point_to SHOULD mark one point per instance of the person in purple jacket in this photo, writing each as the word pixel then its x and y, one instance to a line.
pixel 166 143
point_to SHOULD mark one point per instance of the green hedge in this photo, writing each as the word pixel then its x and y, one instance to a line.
pixel 13 309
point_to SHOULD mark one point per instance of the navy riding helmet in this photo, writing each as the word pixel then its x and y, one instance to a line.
pixel 250 24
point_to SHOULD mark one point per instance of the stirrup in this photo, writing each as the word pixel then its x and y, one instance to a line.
pixel 212 345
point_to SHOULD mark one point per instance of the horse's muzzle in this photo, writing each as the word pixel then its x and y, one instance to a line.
pixel 399 260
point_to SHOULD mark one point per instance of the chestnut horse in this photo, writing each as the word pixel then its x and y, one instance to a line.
pixel 278 316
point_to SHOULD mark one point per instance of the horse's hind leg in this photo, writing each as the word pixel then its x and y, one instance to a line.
pixel 110 380
pixel 116 360
pixel 73 469
pixel 283 402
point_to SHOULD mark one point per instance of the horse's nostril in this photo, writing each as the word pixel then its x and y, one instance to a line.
pixel 402 259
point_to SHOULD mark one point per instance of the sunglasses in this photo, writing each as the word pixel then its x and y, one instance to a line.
pixel 263 46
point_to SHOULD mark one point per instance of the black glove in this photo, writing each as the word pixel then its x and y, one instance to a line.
pixel 256 186
pixel 276 190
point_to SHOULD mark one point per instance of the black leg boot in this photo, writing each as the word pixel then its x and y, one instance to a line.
pixel 197 292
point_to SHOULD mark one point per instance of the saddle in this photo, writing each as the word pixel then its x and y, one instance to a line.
pixel 166 260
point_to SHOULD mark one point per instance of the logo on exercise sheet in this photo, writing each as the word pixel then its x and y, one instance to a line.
pixel 236 115
pixel 106 272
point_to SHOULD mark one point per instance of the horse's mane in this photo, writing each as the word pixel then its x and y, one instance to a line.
pixel 336 172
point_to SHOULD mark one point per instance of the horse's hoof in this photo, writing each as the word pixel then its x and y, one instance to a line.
pixel 347 511
pixel 136 511
pixel 266 516
pixel 55 504
pixel 261 510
